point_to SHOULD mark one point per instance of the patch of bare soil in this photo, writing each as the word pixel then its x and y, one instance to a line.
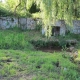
pixel 51 50
pixel 22 77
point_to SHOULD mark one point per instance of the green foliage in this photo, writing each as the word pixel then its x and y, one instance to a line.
pixel 34 8
pixel 52 10
pixel 73 36
pixel 38 26
pixel 36 15
pixel 63 43
pixel 15 38
pixel 45 44
pixel 51 44
pixel 13 41
pixel 8 9
pixel 4 12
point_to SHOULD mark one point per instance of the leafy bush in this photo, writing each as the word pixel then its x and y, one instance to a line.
pixel 38 24
pixel 45 44
pixel 62 43
pixel 4 12
pixel 38 27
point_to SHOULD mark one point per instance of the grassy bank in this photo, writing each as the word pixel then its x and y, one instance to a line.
pixel 37 65
pixel 20 61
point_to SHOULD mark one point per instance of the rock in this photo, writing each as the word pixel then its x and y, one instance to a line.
pixel 74 54
pixel 65 69
pixel 77 60
pixel 71 48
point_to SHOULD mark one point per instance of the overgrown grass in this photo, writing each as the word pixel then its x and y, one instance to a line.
pixel 36 65
pixel 24 63
pixel 13 40
pixel 17 39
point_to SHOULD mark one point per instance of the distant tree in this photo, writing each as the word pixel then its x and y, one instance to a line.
pixel 17 6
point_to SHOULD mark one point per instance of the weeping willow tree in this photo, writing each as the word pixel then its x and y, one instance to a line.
pixel 52 10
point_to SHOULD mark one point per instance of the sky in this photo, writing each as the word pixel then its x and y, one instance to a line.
pixel 3 1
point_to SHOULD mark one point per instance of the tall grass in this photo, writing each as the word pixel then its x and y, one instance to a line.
pixel 13 41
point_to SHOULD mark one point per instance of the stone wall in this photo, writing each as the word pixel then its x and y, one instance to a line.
pixel 29 23
pixel 24 23
pixel 7 22
pixel 76 26
pixel 58 29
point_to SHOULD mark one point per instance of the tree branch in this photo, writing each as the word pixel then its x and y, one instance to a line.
pixel 17 7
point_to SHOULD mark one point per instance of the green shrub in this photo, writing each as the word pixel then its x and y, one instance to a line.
pixel 4 12
pixel 38 43
pixel 38 26
pixel 45 44
pixel 62 43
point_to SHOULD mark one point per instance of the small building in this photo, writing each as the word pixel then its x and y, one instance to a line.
pixel 58 29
